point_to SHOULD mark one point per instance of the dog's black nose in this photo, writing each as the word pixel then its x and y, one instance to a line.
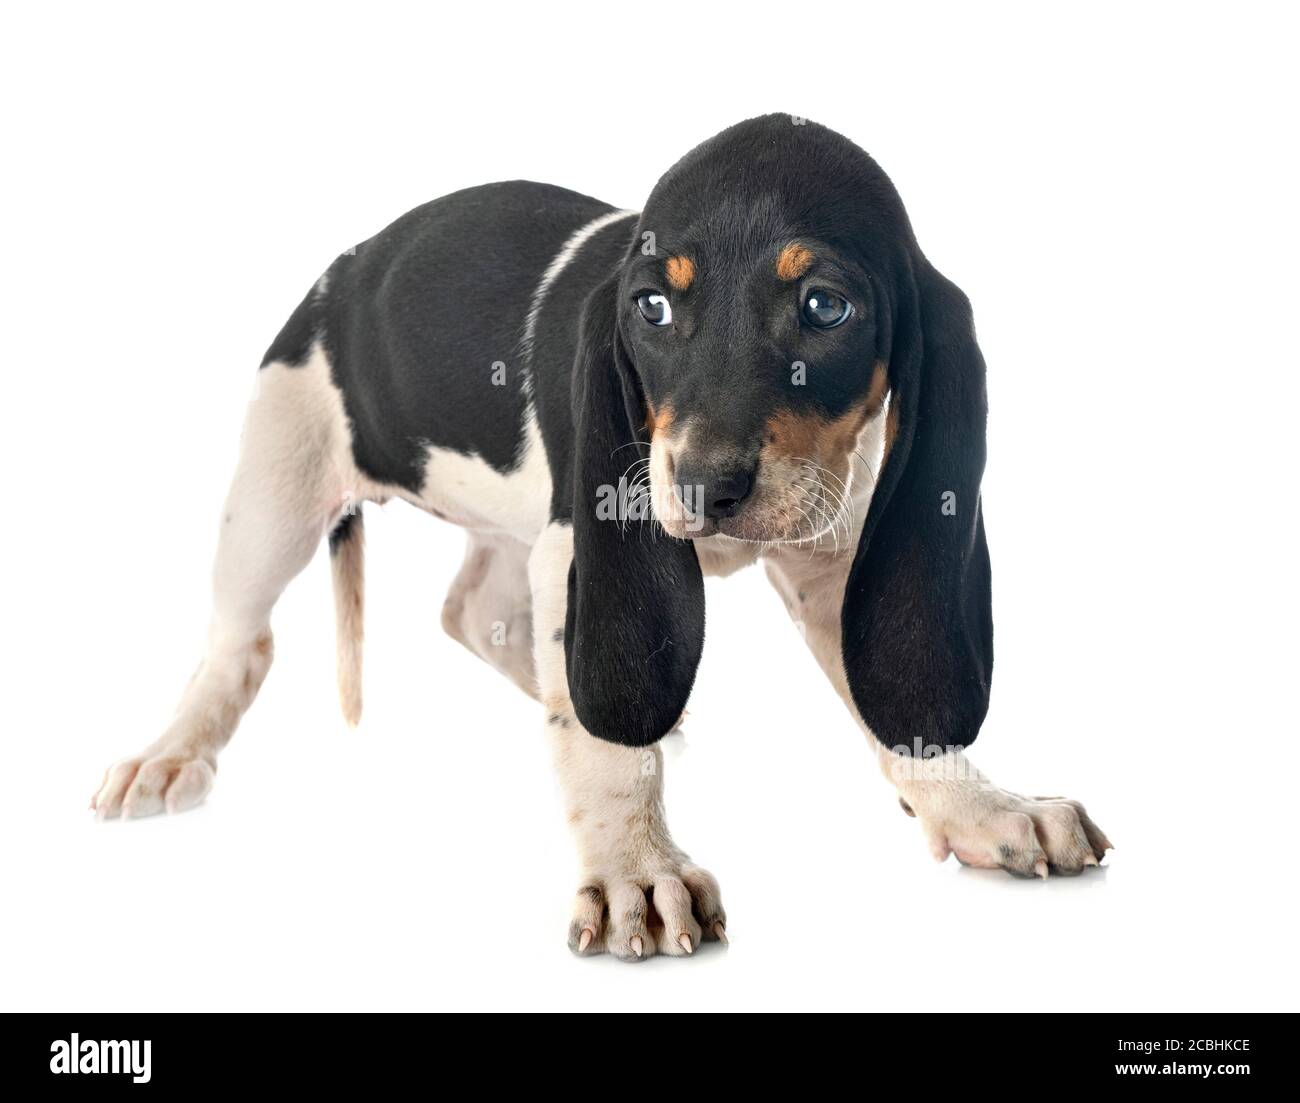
pixel 716 494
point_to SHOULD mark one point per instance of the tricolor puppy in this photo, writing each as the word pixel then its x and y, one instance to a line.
pixel 760 365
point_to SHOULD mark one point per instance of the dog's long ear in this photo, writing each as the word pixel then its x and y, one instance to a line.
pixel 635 624
pixel 917 619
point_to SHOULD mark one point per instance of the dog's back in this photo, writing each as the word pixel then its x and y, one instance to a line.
pixel 426 326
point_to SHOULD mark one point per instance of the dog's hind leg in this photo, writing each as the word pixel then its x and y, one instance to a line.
pixel 489 607
pixel 292 484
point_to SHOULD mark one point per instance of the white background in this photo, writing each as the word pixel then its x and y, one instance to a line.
pixel 1115 188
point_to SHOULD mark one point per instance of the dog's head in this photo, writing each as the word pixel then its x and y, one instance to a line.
pixel 752 329
pixel 772 301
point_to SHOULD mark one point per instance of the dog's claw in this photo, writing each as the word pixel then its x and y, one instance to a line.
pixel 1040 868
pixel 721 932
pixel 634 921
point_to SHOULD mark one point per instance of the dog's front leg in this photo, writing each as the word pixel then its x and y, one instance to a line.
pixel 961 811
pixel 640 893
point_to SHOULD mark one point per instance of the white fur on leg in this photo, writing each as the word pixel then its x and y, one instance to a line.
pixel 489 607
pixel 965 814
pixel 294 475
pixel 960 810
pixel 175 772
pixel 640 893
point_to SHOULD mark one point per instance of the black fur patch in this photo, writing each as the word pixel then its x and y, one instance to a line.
pixel 422 324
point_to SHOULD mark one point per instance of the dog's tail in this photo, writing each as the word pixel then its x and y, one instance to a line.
pixel 347 564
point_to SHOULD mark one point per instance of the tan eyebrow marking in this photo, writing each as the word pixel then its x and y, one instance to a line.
pixel 794 261
pixel 681 271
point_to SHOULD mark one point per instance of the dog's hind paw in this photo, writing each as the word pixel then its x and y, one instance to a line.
pixel 162 779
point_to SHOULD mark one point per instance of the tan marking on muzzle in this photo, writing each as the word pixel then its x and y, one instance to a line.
pixel 891 428
pixel 681 272
pixel 879 388
pixel 656 420
pixel 810 437
pixel 826 440
pixel 665 503
pixel 794 261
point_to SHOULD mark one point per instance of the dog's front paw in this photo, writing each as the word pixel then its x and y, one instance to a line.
pixel 992 829
pixel 162 779
pixel 635 917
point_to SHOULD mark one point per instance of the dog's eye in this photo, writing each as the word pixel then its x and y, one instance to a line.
pixel 825 309
pixel 654 308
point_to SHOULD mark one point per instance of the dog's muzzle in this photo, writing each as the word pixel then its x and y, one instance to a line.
pixel 715 494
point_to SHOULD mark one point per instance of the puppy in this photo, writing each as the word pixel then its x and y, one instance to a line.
pixel 760 365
